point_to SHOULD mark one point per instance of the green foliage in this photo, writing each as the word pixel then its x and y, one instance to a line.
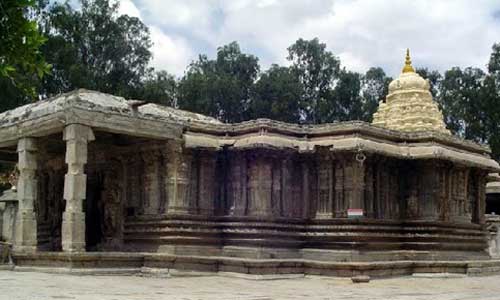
pixel 374 88
pixel 276 95
pixel 462 99
pixel 11 96
pixel 317 70
pixel 222 87
pixel 344 101
pixel 494 63
pixel 159 87
pixel 434 78
pixel 94 48
pixel 21 63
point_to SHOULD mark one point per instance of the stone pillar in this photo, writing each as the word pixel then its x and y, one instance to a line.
pixel 287 203
pixel 306 190
pixel 26 225
pixel 340 206
pixel 75 186
pixel 151 181
pixel 238 184
pixel 324 207
pixel 178 175
pixel 260 187
pixel 369 191
pixel 207 184
pixel 354 184
pixel 458 208
pixel 277 189
pixel 480 207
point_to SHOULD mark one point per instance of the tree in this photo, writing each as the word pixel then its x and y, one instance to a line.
pixel 222 87
pixel 94 48
pixel 462 97
pixel 159 87
pixel 276 96
pixel 317 70
pixel 21 62
pixel 434 78
pixel 344 102
pixel 374 88
pixel 494 62
pixel 491 97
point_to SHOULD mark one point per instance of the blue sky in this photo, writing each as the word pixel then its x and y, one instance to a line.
pixel 362 33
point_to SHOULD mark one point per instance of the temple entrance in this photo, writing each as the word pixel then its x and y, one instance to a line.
pixel 50 208
pixel 103 210
pixel 103 206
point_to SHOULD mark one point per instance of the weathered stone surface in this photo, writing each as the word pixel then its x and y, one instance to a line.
pixel 27 193
pixel 160 180
pixel 9 204
pixel 73 231
pixel 75 186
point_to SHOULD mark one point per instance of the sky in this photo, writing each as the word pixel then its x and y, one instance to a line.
pixel 362 33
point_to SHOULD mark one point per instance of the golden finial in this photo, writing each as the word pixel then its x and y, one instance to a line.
pixel 408 68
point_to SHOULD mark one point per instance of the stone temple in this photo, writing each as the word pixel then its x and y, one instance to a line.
pixel 112 184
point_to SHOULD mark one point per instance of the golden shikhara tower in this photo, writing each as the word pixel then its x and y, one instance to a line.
pixel 409 106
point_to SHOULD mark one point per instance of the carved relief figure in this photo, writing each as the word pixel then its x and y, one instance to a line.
pixel 111 205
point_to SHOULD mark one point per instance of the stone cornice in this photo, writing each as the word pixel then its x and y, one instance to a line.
pixel 335 129
pixel 109 113
pixel 343 143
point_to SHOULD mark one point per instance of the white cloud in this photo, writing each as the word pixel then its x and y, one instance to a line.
pixel 170 53
pixel 363 33
pixel 127 7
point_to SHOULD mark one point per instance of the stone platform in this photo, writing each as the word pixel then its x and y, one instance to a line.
pixel 145 263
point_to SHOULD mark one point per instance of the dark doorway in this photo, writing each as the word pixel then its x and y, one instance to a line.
pixel 493 203
pixel 93 236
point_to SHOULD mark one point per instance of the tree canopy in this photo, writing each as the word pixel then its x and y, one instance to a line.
pixel 47 48
pixel 21 61
pixel 220 87
pixel 94 48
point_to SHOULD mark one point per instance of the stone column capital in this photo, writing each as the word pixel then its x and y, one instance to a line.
pixel 78 132
pixel 27 144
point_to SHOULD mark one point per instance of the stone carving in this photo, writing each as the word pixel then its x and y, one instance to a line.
pixel 259 188
pixel 134 184
pixel 111 205
pixel 206 202
pixel 152 181
pixel 340 203
pixel 238 192
pixel 13 178
pixel 325 188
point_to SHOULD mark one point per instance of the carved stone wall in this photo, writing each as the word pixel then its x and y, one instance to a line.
pixel 50 204
pixel 326 188
pixel 158 179
pixel 387 184
pixel 162 181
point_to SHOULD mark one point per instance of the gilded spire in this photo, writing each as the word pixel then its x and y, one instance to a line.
pixel 409 106
pixel 408 67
